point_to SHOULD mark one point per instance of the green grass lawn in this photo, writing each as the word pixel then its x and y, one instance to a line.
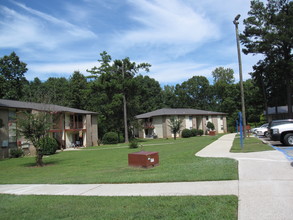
pixel 251 144
pixel 109 164
pixel 79 207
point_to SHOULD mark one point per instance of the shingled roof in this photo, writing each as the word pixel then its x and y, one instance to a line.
pixel 40 107
pixel 177 111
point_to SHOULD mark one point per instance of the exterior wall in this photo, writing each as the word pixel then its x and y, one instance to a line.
pixel 89 140
pixel 158 124
pixel 203 124
pixel 216 123
pixel 67 121
pixel 188 121
pixel 4 133
pixel 94 130
pixel 225 124
pixel 199 122
pixel 69 139
pixel 165 127
pixel 221 128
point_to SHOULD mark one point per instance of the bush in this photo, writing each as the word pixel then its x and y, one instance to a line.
pixel 16 153
pixel 186 133
pixel 133 144
pixel 193 132
pixel 48 145
pixel 121 138
pixel 110 138
pixel 210 126
pixel 199 132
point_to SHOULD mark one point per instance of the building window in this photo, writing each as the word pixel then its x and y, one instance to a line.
pixel 190 118
pixel 207 118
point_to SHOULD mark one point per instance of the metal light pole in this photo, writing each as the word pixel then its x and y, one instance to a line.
pixel 124 109
pixel 236 22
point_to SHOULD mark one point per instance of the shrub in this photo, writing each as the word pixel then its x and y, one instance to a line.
pixel 16 153
pixel 186 133
pixel 199 132
pixel 121 138
pixel 48 145
pixel 231 129
pixel 193 132
pixel 133 144
pixel 110 138
pixel 210 126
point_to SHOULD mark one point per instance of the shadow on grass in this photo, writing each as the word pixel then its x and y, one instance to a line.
pixel 34 164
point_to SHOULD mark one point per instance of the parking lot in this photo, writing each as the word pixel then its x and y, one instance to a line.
pixel 287 150
pixel 274 143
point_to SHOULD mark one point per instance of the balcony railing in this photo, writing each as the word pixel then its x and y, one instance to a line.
pixel 76 125
pixel 148 125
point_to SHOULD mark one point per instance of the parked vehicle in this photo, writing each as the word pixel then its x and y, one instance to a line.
pixel 279 122
pixel 282 133
pixel 262 129
pixel 263 132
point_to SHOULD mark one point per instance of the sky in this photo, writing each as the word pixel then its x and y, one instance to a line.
pixel 179 38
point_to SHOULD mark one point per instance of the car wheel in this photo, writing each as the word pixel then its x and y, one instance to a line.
pixel 288 139
pixel 266 134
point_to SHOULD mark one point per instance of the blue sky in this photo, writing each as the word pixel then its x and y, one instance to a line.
pixel 179 38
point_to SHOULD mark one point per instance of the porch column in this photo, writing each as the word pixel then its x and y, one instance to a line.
pixel 89 141
pixel 94 130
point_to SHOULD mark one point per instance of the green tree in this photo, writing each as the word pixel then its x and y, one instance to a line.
pixel 194 93
pixel 268 31
pixel 34 127
pixel 169 97
pixel 12 77
pixel 253 102
pixel 34 91
pixel 56 91
pixel 175 125
pixel 77 90
pixel 223 75
pixel 115 83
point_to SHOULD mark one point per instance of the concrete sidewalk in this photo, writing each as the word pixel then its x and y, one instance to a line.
pixel 135 189
pixel 265 181
pixel 265 186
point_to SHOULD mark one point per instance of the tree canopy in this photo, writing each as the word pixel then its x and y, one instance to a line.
pixel 12 77
pixel 268 31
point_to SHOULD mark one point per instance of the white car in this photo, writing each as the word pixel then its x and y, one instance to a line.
pixel 262 130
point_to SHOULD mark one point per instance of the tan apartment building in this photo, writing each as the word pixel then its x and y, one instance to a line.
pixel 156 123
pixel 70 127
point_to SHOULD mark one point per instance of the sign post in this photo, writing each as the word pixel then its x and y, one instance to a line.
pixel 241 129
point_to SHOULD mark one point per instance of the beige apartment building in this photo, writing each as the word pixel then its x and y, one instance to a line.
pixel 71 127
pixel 156 123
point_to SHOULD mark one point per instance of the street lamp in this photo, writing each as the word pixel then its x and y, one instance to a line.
pixel 236 22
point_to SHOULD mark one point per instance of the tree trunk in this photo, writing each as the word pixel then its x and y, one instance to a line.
pixel 39 159
pixel 265 98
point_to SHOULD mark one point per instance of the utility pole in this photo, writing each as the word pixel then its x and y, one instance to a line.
pixel 124 108
pixel 236 22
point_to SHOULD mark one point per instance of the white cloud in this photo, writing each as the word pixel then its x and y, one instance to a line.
pixel 70 28
pixel 37 30
pixel 170 23
pixel 44 70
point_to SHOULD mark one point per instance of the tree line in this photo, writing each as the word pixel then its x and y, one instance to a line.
pixel 103 90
